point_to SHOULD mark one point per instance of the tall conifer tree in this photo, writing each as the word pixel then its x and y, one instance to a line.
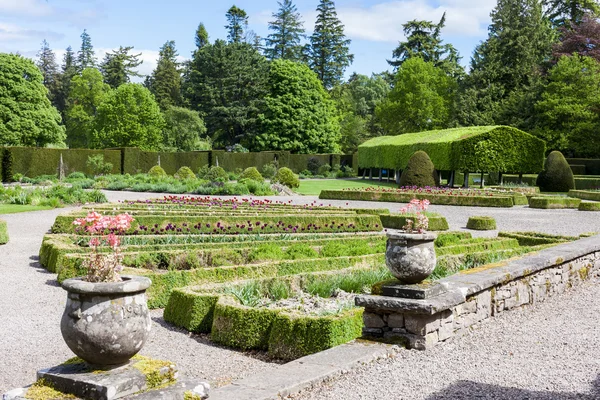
pixel 328 53
pixel 201 36
pixel 165 81
pixel 118 66
pixel 46 62
pixel 86 58
pixel 67 71
pixel 566 13
pixel 237 23
pixel 288 32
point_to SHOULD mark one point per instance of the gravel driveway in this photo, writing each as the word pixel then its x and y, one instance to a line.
pixel 31 305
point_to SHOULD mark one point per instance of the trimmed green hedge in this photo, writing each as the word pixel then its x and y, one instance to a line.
pixel 395 197
pixel 577 169
pixel 299 162
pixel 585 194
pixel 553 202
pixel 3 232
pixel 536 238
pixel 397 221
pixel 479 148
pixel 589 206
pixel 232 161
pixel 582 183
pixel 592 165
pixel 480 223
pixel 477 245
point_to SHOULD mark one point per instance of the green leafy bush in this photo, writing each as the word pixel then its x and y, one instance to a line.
pixel 419 172
pixel 7 165
pixel 481 223
pixel 286 177
pixel 214 174
pixel 557 175
pixel 270 169
pixel 157 172
pixel 76 175
pixel 98 166
pixel 185 173
pixel 313 164
pixel 590 206
pixel 252 174
pixel 3 232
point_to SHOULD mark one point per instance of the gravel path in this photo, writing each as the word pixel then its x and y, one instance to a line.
pixel 549 351
pixel 31 305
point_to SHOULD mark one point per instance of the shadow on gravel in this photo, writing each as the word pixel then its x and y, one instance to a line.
pixel 205 340
pixel 36 264
pixel 475 390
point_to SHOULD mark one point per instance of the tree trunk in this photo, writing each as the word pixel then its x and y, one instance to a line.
pixel 466 182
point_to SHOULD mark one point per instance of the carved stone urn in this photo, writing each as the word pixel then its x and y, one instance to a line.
pixel 410 257
pixel 106 323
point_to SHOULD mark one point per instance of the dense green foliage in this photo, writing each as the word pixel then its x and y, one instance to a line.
pixel 252 174
pixel 422 99
pixel 287 32
pixel 26 116
pixel 481 223
pixel 484 148
pixel 128 117
pixel 185 173
pixel 549 202
pixel 286 177
pixel 86 57
pixel 119 66
pixel 165 81
pixel 557 175
pixel 298 115
pixel 157 172
pixel 46 62
pixel 329 54
pixel 419 172
pixel 3 232
pixel 184 130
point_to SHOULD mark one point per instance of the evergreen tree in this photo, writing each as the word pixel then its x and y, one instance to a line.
pixel 68 71
pixel 165 81
pixel 423 39
pixel 519 42
pixel 227 84
pixel 201 36
pixel 288 32
pixel 237 23
pixel 328 53
pixel 46 62
pixel 86 58
pixel 568 13
pixel 118 66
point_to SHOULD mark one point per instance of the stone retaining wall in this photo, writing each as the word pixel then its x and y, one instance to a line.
pixel 478 294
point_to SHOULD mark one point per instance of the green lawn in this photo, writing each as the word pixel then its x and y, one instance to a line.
pixel 312 187
pixel 16 208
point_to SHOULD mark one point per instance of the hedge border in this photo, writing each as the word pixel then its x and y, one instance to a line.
pixel 481 223
pixel 549 202
pixel 398 221
pixel 589 206
pixel 585 194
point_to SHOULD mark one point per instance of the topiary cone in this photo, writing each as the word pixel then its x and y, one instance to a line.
pixel 557 175
pixel 419 171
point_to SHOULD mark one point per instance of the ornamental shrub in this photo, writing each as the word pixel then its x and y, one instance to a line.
pixel 157 172
pixel 185 173
pixel 313 164
pixel 98 166
pixel 269 170
pixel 286 177
pixel 480 223
pixel 419 171
pixel 216 174
pixel 252 174
pixel 557 175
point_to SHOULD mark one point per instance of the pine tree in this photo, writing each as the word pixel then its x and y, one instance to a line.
pixel 288 31
pixel 201 36
pixel 68 71
pixel 568 13
pixel 165 81
pixel 328 52
pixel 237 24
pixel 519 42
pixel 423 39
pixel 46 62
pixel 118 66
pixel 86 58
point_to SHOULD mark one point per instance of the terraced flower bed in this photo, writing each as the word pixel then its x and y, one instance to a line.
pixel 440 196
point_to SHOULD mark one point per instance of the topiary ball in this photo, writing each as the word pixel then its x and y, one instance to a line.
pixel 419 171
pixel 185 173
pixel 286 177
pixel 481 223
pixel 557 175
pixel 157 171
pixel 252 174
pixel 217 174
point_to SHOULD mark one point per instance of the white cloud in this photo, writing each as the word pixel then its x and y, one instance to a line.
pixel 15 33
pixel 383 22
pixel 34 8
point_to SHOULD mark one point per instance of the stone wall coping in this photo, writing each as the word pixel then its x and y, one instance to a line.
pixel 464 284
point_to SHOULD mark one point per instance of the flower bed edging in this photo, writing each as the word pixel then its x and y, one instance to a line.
pixel 478 294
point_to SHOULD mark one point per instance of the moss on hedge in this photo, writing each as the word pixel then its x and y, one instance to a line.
pixel 481 223
pixel 419 172
pixel 399 197
pixel 589 206
pixel 585 194
pixel 557 175
pixel 536 238
pixel 550 202
pixel 398 221
pixel 295 335
pixel 3 232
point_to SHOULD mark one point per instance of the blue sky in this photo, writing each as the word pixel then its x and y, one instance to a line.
pixel 375 26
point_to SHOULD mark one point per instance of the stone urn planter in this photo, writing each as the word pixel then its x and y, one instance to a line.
pixel 410 257
pixel 106 323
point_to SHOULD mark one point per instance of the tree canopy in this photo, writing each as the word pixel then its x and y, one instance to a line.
pixel 165 81
pixel 184 130
pixel 237 24
pixel 26 116
pixel 287 33
pixel 119 66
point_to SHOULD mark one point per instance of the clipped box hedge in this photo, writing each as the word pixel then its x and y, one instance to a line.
pixel 592 165
pixel 536 238
pixel 477 245
pixel 480 223
pixel 459 149
pixel 585 194
pixel 583 183
pixel 398 221
pixel 549 202
pixel 3 232
pixel 589 206
pixel 400 197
